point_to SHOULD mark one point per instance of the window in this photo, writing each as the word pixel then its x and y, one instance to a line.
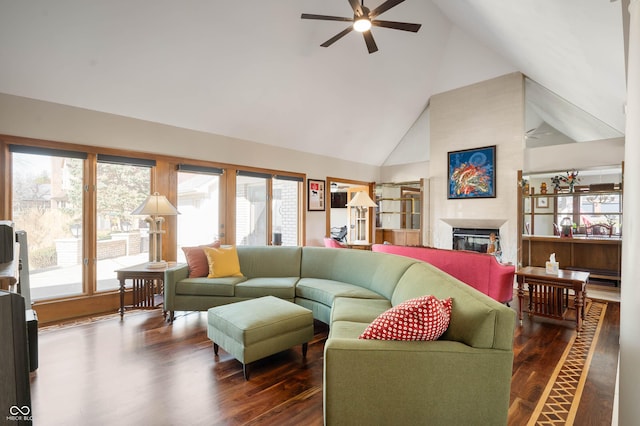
pixel 286 211
pixel 47 204
pixel 75 205
pixel 251 209
pixel 601 209
pixel 591 208
pixel 199 206
pixel 122 239
pixel 259 222
pixel 564 209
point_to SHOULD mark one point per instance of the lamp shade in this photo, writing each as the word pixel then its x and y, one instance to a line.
pixel 156 205
pixel 361 199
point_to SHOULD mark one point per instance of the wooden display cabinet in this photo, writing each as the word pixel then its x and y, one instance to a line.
pixel 540 216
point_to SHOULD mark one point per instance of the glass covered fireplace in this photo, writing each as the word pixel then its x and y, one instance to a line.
pixel 475 239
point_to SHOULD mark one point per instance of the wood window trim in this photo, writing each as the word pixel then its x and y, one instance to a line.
pixel 163 179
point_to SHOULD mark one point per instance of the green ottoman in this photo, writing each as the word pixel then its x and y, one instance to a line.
pixel 253 329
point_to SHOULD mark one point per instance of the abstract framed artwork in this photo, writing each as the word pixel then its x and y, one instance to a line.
pixel 472 173
pixel 315 195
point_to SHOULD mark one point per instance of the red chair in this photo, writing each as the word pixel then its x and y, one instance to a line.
pixel 599 229
pixel 330 242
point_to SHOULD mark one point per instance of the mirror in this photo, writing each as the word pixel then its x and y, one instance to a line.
pixel 338 214
pixel 399 212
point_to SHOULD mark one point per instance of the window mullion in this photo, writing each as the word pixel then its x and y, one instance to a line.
pixel 89 221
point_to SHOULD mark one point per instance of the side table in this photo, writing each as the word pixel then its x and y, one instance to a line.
pixel 148 283
pixel 549 293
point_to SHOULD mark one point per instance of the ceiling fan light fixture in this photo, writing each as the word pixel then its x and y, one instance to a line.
pixel 361 25
pixel 362 21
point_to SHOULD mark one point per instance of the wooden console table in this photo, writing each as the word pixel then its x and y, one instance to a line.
pixel 147 284
pixel 549 293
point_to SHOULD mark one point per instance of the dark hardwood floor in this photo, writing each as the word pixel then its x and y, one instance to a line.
pixel 143 371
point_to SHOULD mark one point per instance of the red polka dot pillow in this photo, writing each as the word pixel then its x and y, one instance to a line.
pixel 423 318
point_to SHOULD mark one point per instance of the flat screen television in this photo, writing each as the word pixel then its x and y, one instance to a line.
pixel 7 241
pixel 338 200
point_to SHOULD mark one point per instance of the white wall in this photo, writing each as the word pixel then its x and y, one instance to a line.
pixel 483 114
pixel 414 146
pixel 408 172
pixel 629 393
pixel 44 120
pixel 576 156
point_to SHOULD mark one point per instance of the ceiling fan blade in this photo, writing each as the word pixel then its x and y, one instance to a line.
pixel 325 17
pixel 404 26
pixel 337 37
pixel 384 7
pixel 357 7
pixel 371 44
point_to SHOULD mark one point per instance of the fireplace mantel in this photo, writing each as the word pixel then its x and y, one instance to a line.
pixel 475 223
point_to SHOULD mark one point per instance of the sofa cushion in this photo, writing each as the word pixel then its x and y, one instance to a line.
pixel 347 330
pixel 374 271
pixel 208 286
pixel 269 261
pixel 358 310
pixel 281 287
pixel 197 260
pixel 324 291
pixel 423 318
pixel 223 262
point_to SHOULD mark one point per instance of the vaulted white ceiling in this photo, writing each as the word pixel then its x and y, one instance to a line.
pixel 255 71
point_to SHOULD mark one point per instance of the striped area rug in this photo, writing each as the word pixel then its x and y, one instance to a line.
pixel 560 400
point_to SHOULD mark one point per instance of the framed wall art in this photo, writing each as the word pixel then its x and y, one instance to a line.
pixel 542 202
pixel 472 173
pixel 315 195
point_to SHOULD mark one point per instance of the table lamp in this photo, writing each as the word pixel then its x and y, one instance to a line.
pixel 155 206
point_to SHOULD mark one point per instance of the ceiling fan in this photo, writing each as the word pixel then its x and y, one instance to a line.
pixel 362 20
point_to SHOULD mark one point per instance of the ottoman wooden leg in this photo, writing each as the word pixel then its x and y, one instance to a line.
pixel 305 346
pixel 215 348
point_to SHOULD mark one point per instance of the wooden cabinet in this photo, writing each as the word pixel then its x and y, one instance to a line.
pixel 579 245
pixel 400 237
pixel 600 256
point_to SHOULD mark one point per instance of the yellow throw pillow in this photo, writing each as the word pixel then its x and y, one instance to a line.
pixel 223 262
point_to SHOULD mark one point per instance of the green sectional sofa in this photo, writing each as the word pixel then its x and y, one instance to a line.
pixel 462 378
